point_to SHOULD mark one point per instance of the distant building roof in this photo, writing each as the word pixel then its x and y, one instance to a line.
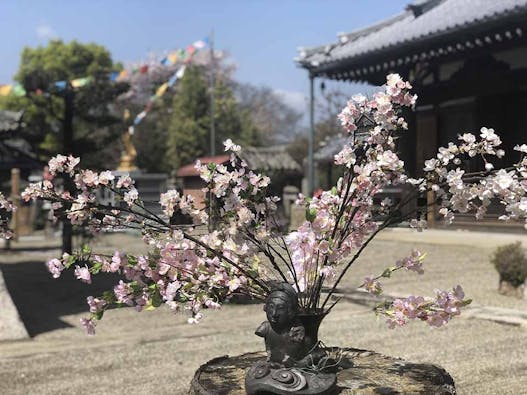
pixel 274 158
pixel 330 149
pixel 265 159
pixel 10 120
pixel 190 169
pixel 424 22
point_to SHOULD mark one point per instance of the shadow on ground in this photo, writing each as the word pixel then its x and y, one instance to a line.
pixel 41 300
pixel 24 248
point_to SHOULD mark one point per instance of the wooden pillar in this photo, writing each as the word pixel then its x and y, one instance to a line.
pixel 426 124
pixel 311 138
pixel 15 198
pixel 431 212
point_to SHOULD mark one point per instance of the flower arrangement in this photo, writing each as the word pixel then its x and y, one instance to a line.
pixel 244 252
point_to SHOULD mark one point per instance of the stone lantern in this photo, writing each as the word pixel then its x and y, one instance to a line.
pixel 364 125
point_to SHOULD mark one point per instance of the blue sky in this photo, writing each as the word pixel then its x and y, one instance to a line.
pixel 260 36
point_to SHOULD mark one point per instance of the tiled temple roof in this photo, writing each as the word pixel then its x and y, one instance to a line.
pixel 423 21
pixel 265 159
pixel 274 158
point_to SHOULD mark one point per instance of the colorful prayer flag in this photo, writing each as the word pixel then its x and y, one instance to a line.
pixel 139 117
pixel 172 58
pixel 18 90
pixel 122 75
pixel 5 90
pixel 181 72
pixel 172 80
pixel 80 82
pixel 61 85
pixel 200 44
pixel 162 89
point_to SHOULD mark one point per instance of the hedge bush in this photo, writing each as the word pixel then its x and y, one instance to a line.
pixel 511 263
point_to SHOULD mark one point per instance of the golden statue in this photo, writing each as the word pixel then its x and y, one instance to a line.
pixel 127 161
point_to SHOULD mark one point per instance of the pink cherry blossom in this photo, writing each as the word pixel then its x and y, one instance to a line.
pixel 230 146
pixel 131 196
pixel 413 262
pixel 83 274
pixel 55 267
pixel 124 182
pixel 106 177
pixel 116 262
pixel 372 286
pixel 90 178
pixel 124 293
pixel 95 304
pixel 169 200
pixel 89 325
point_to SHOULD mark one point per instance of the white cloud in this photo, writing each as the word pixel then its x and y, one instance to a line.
pixel 296 100
pixel 45 32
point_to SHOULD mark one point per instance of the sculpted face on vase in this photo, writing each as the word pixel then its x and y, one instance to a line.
pixel 284 335
pixel 281 310
pixel 288 350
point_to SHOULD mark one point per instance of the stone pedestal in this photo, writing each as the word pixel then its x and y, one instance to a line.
pixel 507 289
pixel 149 187
pixel 363 372
pixel 297 216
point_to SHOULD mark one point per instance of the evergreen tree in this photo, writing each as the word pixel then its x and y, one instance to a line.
pixel 189 126
pixel 95 124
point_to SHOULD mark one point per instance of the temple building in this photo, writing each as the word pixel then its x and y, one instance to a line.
pixel 273 161
pixel 467 61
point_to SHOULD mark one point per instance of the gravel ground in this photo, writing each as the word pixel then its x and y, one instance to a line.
pixel 157 352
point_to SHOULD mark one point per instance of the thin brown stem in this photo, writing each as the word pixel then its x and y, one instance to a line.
pixel 357 254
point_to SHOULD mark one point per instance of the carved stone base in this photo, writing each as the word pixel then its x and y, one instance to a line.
pixel 263 378
pixel 363 372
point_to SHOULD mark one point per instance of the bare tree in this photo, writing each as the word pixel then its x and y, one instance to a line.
pixel 275 120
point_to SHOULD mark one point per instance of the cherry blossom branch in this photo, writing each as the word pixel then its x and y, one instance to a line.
pixel 348 265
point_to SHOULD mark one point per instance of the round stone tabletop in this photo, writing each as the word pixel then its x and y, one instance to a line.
pixel 362 372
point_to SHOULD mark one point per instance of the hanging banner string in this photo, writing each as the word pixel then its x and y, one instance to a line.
pixel 160 91
pixel 183 55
